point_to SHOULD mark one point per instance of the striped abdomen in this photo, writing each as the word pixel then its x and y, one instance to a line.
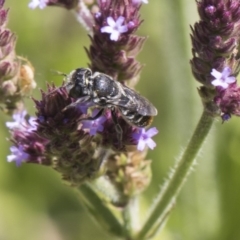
pixel 135 118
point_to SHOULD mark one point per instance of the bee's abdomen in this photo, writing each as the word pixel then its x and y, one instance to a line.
pixel 136 119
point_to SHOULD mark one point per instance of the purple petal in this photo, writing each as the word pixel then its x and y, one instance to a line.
pixel 86 124
pixel 18 155
pixel 100 128
pixel 33 4
pixel 151 144
pixel 115 35
pixel 141 145
pixel 226 72
pixel 231 80
pixel 102 119
pixel 38 3
pixel 93 131
pixel 137 134
pixel 111 22
pixel 120 21
pixel 219 83
pixel 216 74
pixel 151 132
pixel 19 120
pixel 123 29
pixel 106 29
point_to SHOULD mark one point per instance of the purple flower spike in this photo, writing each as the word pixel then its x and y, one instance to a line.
pixel 18 155
pixel 38 3
pixel 144 138
pixel 115 28
pixel 222 79
pixel 94 126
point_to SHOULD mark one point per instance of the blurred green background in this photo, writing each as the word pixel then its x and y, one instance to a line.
pixel 35 205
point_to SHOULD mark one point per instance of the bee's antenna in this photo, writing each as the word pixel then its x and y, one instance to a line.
pixel 61 74
pixel 58 73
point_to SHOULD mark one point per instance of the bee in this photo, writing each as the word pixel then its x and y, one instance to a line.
pixel 105 92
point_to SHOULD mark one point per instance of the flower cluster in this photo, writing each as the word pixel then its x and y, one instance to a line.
pixel 215 61
pixel 58 137
pixel 78 139
pixel 16 73
pixel 129 174
pixel 114 46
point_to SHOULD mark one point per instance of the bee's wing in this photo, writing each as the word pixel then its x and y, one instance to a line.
pixel 133 101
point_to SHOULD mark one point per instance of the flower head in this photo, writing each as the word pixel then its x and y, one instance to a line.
pixel 94 126
pixel 18 155
pixel 114 46
pixel 224 78
pixel 115 28
pixel 11 91
pixel 38 3
pixel 144 138
pixel 215 41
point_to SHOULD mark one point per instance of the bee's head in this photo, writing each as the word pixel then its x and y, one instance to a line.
pixel 77 82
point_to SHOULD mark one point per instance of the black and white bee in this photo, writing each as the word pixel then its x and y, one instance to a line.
pixel 104 92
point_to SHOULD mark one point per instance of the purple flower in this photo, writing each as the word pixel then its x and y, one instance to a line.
pixel 18 118
pixel 18 155
pixel 222 79
pixel 21 122
pixel 94 126
pixel 144 138
pixel 225 117
pixel 137 2
pixel 84 106
pixel 38 3
pixel 115 28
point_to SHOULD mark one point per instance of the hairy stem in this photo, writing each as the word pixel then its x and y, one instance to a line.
pixel 100 210
pixel 84 16
pixel 130 216
pixel 177 177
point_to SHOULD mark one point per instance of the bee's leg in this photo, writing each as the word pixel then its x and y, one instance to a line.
pixel 95 117
pixel 74 104
pixel 117 126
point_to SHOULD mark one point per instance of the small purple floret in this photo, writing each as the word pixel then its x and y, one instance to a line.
pixel 21 123
pixel 18 155
pixel 41 119
pixel 144 138
pixel 137 2
pixel 94 126
pixel 225 117
pixel 84 106
pixel 38 3
pixel 19 119
pixel 115 28
pixel 222 79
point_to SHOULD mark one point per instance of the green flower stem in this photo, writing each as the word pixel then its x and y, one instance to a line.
pixel 130 216
pixel 177 177
pixel 100 210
